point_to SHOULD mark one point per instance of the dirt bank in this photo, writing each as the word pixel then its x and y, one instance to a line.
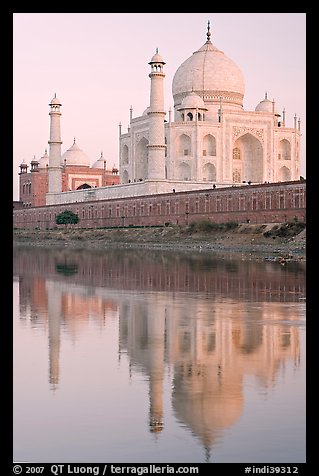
pixel 273 241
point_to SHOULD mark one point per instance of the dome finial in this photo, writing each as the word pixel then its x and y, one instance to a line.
pixel 266 95
pixel 208 34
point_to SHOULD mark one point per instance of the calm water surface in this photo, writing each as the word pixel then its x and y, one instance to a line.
pixel 142 356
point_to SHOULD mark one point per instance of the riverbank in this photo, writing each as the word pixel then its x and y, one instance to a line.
pixel 277 241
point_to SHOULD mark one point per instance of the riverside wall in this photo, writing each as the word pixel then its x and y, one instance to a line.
pixel 262 203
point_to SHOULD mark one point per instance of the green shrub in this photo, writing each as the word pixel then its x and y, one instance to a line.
pixel 67 217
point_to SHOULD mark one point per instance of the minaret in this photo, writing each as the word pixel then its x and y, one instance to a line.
pixel 55 170
pixel 156 146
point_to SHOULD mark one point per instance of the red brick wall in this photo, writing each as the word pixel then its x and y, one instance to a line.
pixel 36 194
pixel 33 188
pixel 264 203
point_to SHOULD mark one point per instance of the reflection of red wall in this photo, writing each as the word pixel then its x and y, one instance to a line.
pixel 39 293
pixel 144 271
pixel 77 306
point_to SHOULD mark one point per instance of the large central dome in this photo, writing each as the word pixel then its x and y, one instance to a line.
pixel 211 75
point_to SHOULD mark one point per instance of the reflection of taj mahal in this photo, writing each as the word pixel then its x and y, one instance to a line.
pixel 207 352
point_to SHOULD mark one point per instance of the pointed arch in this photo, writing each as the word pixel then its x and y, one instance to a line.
pixel 284 150
pixel 141 159
pixel 209 145
pixel 189 116
pixel 125 154
pixel 284 174
pixel 83 186
pixel 125 176
pixel 184 145
pixel 184 171
pixel 248 158
pixel 209 172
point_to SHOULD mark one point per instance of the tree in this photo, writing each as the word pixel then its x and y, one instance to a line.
pixel 66 218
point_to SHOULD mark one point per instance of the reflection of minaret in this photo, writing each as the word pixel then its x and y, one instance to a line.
pixel 142 336
pixel 156 330
pixel 54 323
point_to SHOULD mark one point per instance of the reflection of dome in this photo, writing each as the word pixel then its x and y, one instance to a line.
pixel 99 164
pixel 211 74
pixel 44 160
pixel 75 156
pixel 204 405
pixel 193 101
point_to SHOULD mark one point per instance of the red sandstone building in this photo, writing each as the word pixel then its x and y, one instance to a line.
pixel 76 174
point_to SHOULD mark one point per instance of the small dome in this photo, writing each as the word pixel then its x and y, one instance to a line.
pixel 192 101
pixel 55 101
pixel 264 106
pixel 157 58
pixel 99 164
pixel 146 111
pixel 44 160
pixel 75 156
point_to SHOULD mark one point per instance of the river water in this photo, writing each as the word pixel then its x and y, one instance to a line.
pixel 130 356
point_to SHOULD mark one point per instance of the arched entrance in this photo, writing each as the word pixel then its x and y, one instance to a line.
pixel 209 172
pixel 83 186
pixel 248 158
pixel 184 171
pixel 141 160
pixel 284 174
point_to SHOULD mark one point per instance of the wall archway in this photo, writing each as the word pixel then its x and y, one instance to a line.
pixel 184 171
pixel 251 156
pixel 284 149
pixel 125 178
pixel 83 186
pixel 184 145
pixel 209 172
pixel 209 145
pixel 284 174
pixel 141 159
pixel 125 154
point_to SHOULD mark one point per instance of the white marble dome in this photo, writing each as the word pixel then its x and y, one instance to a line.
pixel 157 58
pixel 56 101
pixel 210 73
pixel 75 156
pixel 99 164
pixel 44 160
pixel 193 101
pixel 264 106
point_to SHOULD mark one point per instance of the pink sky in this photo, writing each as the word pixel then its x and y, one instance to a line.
pixel 97 64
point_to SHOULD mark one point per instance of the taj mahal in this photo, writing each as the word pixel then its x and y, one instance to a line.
pixel 209 140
